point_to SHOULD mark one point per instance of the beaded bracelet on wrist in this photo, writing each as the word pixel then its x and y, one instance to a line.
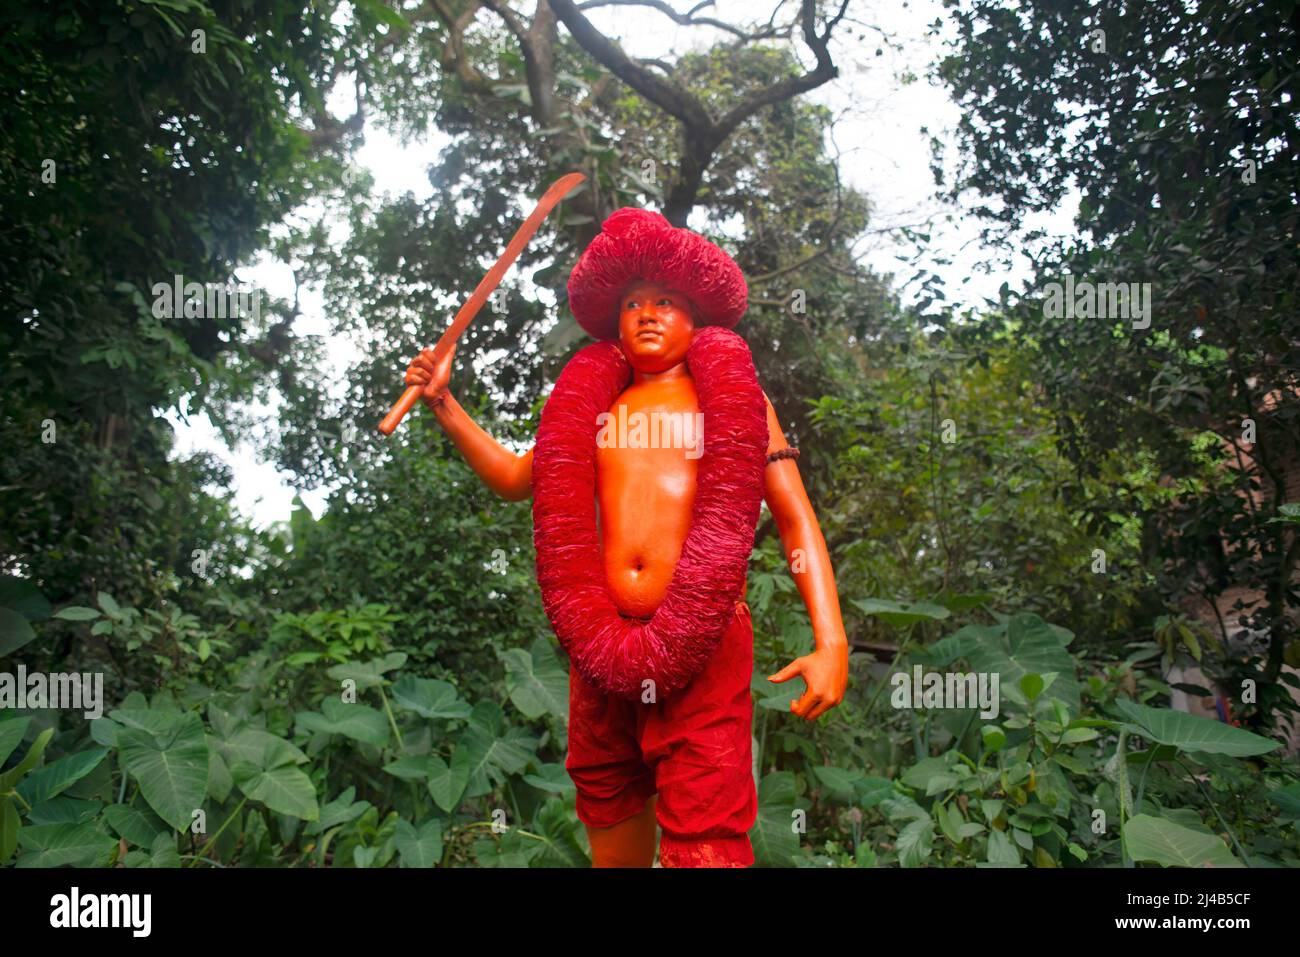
pixel 786 453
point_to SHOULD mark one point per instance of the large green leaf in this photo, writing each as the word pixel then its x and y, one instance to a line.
pixel 260 749
pixel 420 847
pixel 900 615
pixel 57 776
pixel 428 698
pixel 1155 839
pixel 1189 732
pixel 134 824
pixel 484 757
pixel 775 841
pixel 447 783
pixel 559 846
pixel 60 845
pixel 368 674
pixel 357 721
pixel 1024 645
pixel 172 770
pixel 65 810
pixel 284 789
pixel 535 681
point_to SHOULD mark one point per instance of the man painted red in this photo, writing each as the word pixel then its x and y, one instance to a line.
pixel 643 534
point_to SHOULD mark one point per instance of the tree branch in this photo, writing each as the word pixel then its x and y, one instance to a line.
pixel 687 19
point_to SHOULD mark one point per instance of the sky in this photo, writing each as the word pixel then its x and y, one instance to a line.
pixel 878 135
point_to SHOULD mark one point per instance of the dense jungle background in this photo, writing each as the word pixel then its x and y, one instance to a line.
pixel 1105 515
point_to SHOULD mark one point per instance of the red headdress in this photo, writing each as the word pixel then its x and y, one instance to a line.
pixel 638 244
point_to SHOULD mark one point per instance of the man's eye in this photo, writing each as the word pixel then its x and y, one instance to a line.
pixel 631 304
pixel 665 302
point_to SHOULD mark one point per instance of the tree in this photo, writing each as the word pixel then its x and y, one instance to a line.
pixel 1177 128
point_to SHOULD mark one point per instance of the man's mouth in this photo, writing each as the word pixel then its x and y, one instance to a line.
pixel 648 333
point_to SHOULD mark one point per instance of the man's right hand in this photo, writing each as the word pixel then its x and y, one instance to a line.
pixel 434 377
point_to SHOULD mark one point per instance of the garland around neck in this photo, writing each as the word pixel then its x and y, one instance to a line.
pixel 615 653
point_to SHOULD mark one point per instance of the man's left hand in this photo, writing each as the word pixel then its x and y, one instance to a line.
pixel 826 673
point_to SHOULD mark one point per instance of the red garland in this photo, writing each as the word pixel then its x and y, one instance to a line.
pixel 614 653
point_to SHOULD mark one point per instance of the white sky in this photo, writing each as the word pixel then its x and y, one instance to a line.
pixel 883 152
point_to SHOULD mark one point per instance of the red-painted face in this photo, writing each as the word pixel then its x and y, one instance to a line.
pixel 655 326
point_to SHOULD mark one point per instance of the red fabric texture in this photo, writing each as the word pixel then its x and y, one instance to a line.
pixel 693 748
pixel 638 244
pixel 614 653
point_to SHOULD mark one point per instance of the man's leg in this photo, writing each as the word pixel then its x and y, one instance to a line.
pixel 699 743
pixel 628 844
pixel 615 788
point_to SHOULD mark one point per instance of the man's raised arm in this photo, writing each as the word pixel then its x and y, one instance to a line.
pixel 504 472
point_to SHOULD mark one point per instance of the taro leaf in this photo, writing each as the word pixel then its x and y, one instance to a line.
pixel 65 810
pixel 136 825
pixel 419 847
pixel 57 776
pixel 775 841
pixel 341 810
pixel 357 721
pixel 488 757
pixel 60 845
pixel 284 789
pixel 163 853
pixel 220 782
pixel 1149 838
pixel 428 698
pixel 559 846
pixel 535 681
pixel 410 768
pixel 899 615
pixel 368 674
pixel 1026 645
pixel 260 749
pixel 553 778
pixel 1189 732
pixel 447 784
pixel 171 769
pixel 263 766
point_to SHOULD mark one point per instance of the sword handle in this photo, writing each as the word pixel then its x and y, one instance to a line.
pixel 400 408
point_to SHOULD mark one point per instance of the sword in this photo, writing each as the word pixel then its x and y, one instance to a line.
pixel 559 189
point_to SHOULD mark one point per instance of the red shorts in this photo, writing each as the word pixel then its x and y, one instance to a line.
pixel 693 748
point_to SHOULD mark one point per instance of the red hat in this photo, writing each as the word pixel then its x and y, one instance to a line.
pixel 638 244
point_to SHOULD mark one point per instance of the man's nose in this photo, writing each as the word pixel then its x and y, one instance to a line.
pixel 645 315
